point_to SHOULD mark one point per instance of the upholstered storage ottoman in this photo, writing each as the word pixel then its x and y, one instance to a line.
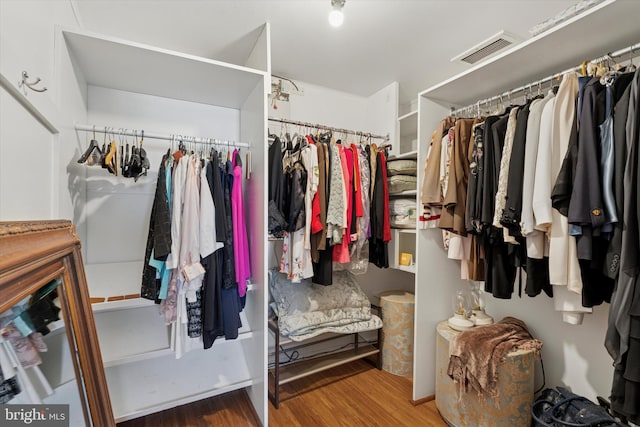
pixel 515 387
pixel 397 332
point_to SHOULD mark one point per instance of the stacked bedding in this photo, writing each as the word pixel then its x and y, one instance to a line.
pixel 402 175
pixel 402 212
pixel 305 310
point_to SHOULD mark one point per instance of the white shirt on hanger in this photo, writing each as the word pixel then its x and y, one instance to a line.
pixel 564 270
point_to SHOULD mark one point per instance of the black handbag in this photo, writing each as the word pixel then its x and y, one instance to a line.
pixel 561 408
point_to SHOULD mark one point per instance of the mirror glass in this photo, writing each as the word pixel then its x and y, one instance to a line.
pixel 38 355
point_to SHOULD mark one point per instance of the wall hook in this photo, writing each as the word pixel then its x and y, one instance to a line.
pixel 24 83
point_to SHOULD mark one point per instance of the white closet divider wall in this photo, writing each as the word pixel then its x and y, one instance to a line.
pixel 437 277
pixel 130 85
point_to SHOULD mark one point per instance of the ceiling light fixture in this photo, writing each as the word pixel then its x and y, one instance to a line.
pixel 336 17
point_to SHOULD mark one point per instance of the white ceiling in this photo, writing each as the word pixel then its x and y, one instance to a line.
pixel 409 41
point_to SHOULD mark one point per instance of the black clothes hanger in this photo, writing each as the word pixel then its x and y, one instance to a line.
pixel 143 155
pixel 93 154
pixel 302 141
pixel 126 167
pixel 123 151
pixel 103 162
pixel 272 137
pixel 136 164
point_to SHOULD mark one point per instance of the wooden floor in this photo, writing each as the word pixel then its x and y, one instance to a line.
pixel 232 409
pixel 356 394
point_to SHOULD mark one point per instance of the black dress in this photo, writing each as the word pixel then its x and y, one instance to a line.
pixel 159 236
pixel 212 310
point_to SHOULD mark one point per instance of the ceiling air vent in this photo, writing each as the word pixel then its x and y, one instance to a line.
pixel 487 48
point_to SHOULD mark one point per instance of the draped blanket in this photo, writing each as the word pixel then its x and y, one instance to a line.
pixel 474 355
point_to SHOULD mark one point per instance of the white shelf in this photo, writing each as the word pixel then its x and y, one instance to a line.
pixel 167 351
pixel 150 386
pixel 138 357
pixel 406 230
pixel 120 346
pixel 408 269
pixel 408 155
pixel 118 64
pixel 410 116
pixel 407 144
pixel 56 327
pixel 557 49
pixel 408 125
pixel 403 240
pixel 404 193
pixel 102 307
pixel 136 413
pixel 115 278
pixel 119 278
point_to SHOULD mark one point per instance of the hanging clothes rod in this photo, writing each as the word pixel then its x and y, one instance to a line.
pixel 155 135
pixel 323 127
pixel 620 55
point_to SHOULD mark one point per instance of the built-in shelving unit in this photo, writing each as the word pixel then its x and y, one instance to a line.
pixel 408 125
pixel 142 371
pixel 401 241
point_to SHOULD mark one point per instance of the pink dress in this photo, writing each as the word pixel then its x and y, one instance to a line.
pixel 241 245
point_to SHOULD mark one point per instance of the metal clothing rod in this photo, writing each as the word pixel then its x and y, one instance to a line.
pixel 323 127
pixel 155 135
pixel 621 55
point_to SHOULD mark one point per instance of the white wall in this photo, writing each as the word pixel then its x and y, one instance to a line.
pixel 254 129
pixel 29 165
pixel 573 355
pixel 382 114
pixel 317 104
pixel 26 153
pixel 117 210
pixel 71 176
pixel 437 277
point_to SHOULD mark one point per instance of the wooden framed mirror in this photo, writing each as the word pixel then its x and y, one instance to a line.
pixel 49 348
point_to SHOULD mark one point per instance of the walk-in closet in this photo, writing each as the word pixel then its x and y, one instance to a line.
pixel 325 212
